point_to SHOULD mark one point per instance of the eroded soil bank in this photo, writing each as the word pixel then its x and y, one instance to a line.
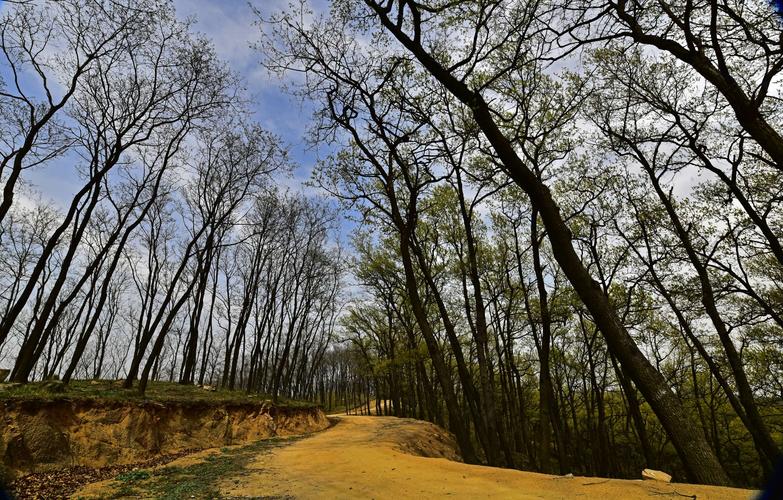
pixel 46 435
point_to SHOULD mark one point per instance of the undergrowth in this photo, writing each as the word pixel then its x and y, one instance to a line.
pixel 198 480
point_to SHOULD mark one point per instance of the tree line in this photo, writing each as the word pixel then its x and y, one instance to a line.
pixel 570 223
pixel 172 255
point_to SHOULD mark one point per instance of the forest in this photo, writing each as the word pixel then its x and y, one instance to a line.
pixel 553 228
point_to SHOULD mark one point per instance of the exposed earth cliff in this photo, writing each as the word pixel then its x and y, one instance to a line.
pixel 43 435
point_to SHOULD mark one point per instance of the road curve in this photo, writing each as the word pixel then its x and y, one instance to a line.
pixel 379 457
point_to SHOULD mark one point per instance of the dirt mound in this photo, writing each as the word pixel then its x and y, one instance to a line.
pixel 423 439
pixel 43 435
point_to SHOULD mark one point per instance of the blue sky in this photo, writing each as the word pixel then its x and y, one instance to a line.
pixel 230 24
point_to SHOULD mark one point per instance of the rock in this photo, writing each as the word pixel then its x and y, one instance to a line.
pixel 569 475
pixel 656 475
pixel 4 374
pixel 211 388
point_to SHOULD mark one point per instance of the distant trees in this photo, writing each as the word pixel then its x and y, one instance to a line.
pixel 131 276
pixel 585 301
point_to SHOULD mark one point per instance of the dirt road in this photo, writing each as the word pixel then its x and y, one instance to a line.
pixel 375 457
pixel 370 457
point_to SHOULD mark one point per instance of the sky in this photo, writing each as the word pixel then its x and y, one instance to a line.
pixel 232 27
pixel 230 24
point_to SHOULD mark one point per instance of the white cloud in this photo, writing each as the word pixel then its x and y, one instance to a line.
pixel 230 24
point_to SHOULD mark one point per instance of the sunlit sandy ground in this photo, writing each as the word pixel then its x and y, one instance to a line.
pixel 381 457
pixel 363 457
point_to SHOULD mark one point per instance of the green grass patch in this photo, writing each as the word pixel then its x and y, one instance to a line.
pixel 112 390
pixel 199 480
pixel 134 475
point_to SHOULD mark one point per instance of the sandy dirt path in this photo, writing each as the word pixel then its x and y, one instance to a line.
pixel 376 457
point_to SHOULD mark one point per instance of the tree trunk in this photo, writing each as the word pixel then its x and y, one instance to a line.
pixel 700 462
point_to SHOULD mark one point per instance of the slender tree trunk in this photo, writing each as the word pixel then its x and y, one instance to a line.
pixel 700 462
pixel 758 428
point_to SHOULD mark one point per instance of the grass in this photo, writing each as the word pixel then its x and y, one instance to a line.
pixel 199 480
pixel 112 390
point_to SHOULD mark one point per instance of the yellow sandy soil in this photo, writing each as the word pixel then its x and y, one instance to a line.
pixel 370 457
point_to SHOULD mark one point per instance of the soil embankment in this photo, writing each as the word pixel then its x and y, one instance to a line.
pixel 46 435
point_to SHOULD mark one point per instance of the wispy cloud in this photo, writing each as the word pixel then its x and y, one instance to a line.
pixel 231 26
